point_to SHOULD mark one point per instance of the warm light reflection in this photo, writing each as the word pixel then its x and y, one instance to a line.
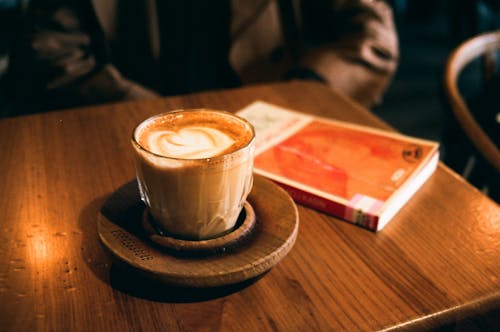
pixel 36 232
pixel 39 247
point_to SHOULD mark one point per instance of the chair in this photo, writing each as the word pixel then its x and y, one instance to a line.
pixel 484 46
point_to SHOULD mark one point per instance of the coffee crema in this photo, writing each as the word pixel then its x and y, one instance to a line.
pixel 192 134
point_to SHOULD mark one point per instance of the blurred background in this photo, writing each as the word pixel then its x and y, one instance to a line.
pixel 414 104
pixel 428 30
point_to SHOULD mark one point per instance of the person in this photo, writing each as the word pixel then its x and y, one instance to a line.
pixel 79 52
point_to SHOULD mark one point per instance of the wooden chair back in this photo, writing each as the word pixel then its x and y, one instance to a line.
pixel 484 46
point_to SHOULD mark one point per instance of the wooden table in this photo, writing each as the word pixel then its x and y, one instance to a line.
pixel 437 262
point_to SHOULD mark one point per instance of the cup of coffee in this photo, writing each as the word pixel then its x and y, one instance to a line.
pixel 194 170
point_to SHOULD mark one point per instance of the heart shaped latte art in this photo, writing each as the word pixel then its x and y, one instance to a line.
pixel 189 142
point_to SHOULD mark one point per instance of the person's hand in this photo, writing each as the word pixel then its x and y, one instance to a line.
pixel 136 91
pixel 109 85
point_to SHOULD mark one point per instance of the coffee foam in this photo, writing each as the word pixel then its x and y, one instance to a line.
pixel 189 142
pixel 193 135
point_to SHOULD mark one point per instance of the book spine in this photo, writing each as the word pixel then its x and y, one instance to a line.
pixel 336 209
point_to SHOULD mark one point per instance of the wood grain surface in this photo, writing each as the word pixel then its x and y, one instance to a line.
pixel 435 264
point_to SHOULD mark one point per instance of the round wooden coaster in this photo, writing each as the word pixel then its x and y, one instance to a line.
pixel 241 231
pixel 275 230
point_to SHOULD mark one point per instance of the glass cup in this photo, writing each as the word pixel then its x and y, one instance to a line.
pixel 194 170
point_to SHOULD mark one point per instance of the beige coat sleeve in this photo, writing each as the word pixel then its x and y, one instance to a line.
pixel 356 51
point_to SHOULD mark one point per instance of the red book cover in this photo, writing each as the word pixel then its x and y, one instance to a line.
pixel 360 174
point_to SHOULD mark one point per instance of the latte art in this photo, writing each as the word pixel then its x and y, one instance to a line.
pixel 189 142
pixel 194 170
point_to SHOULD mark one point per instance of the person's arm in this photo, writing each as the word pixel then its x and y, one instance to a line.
pixel 63 62
pixel 352 45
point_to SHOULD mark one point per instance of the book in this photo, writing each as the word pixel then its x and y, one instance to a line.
pixel 357 173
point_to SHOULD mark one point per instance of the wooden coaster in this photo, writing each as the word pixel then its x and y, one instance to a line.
pixel 276 226
pixel 236 236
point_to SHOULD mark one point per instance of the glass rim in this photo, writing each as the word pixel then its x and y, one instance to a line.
pixel 192 110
